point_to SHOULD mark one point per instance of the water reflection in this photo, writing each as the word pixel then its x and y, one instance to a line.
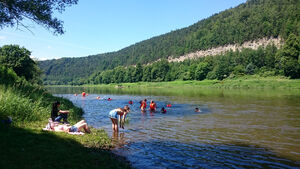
pixel 191 92
pixel 232 130
pixel 118 139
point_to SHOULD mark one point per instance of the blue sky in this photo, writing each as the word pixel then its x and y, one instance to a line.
pixel 99 26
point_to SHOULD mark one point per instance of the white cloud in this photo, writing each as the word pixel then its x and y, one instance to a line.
pixel 49 47
pixel 41 59
pixel 2 37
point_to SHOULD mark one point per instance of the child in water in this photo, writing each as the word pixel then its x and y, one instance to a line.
pixel 143 105
pixel 163 110
pixel 152 106
pixel 113 115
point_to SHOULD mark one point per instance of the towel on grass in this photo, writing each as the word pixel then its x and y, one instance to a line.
pixel 73 133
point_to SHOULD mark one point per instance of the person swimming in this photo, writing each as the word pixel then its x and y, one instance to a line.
pixel 163 110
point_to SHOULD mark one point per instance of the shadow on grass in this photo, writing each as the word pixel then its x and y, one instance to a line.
pixel 22 148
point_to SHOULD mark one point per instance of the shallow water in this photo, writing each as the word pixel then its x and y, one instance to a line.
pixel 235 129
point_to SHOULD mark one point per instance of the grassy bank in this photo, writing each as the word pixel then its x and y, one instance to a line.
pixel 25 145
pixel 244 82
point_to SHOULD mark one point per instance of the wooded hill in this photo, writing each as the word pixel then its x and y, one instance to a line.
pixel 252 20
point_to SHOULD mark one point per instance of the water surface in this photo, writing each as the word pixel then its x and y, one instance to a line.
pixel 235 128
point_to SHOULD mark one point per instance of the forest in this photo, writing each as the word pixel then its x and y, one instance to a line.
pixel 267 61
pixel 249 21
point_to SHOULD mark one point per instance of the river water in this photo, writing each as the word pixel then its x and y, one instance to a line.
pixel 234 128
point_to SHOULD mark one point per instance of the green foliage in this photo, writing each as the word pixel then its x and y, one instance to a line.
pixel 230 64
pixel 24 142
pixel 41 12
pixel 250 68
pixel 212 75
pixel 18 59
pixel 239 70
pixel 201 71
pixel 31 103
pixel 138 73
pixel 7 76
pixel 249 21
pixel 20 107
pixel 288 57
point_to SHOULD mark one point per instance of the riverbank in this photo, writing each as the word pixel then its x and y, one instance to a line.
pixel 25 145
pixel 244 82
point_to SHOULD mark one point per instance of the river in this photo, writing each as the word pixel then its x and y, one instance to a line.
pixel 234 128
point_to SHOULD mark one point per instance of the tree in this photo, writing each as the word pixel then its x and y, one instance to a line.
pixel 18 59
pixel 250 68
pixel 147 73
pixel 201 71
pixel 270 55
pixel 129 74
pixel 138 73
pixel 119 74
pixel 13 12
pixel 192 70
pixel 288 57
pixel 8 76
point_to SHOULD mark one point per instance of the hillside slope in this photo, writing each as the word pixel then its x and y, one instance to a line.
pixel 255 19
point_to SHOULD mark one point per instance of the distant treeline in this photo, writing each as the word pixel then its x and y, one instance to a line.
pixel 252 20
pixel 267 61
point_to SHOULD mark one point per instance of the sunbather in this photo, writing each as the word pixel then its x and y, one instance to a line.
pixel 68 128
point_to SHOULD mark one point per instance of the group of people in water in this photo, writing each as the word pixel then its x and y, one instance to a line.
pixel 117 116
pixel 152 106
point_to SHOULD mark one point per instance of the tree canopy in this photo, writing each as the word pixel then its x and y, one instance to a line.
pixel 13 12
pixel 18 59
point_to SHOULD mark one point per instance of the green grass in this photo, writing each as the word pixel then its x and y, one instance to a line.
pixel 244 82
pixel 25 145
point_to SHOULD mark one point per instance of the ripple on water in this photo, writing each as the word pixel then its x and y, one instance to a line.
pixel 222 135
pixel 194 155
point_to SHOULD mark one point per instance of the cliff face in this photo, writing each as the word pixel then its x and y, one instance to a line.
pixel 278 42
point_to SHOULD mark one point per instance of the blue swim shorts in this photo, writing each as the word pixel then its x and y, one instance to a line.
pixel 73 129
pixel 113 114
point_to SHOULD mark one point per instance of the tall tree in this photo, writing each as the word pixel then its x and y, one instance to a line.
pixel 288 57
pixel 13 12
pixel 138 72
pixel 201 71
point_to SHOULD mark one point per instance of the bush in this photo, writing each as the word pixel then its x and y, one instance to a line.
pixel 8 76
pixel 239 70
pixel 211 75
pixel 20 107
pixel 250 69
